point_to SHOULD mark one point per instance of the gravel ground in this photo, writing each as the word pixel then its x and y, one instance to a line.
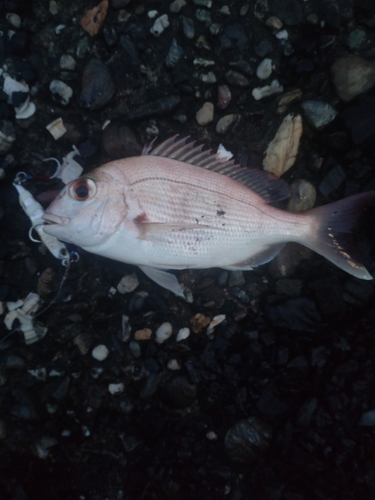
pixel 129 395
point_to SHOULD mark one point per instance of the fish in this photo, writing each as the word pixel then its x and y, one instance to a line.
pixel 178 206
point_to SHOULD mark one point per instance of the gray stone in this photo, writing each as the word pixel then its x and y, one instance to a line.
pixel 226 123
pixel 352 76
pixel 318 114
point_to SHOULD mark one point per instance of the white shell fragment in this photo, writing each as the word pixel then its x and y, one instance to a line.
pixel 128 283
pixel 264 69
pixel 159 25
pixel 282 150
pixel 163 332
pixel 26 111
pixel 67 62
pixel 25 315
pixel 116 388
pixel 261 92
pixel 34 211
pixel 224 153
pixel 182 334
pixel 216 320
pixel 60 91
pixel 69 169
pixel 56 128
pixel 100 352
pixel 173 365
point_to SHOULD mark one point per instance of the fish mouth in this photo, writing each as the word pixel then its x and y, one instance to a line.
pixel 52 219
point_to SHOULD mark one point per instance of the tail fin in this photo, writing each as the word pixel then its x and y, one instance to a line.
pixel 333 239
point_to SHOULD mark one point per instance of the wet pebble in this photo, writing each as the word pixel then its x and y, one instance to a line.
pixel 67 62
pixel 116 388
pixel 177 5
pixel 128 283
pixel 237 79
pixel 97 85
pixel 356 39
pixel 226 123
pixel 319 114
pixel 203 16
pixel 135 349
pixel 263 48
pixel 360 119
pixel 264 69
pixel 119 141
pixel 352 76
pixel 14 362
pixel 173 365
pixel 240 295
pixel 163 332
pixel 178 393
pixel 289 287
pixel 302 196
pixel 174 54
pixel 94 18
pixel 295 314
pixel 332 180
pixel 144 334
pixel 84 342
pixel 242 66
pixel 247 439
pixel 205 114
pixel 367 419
pixel 199 322
pixel 155 108
pixel 209 77
pixel 100 352
pixel 188 27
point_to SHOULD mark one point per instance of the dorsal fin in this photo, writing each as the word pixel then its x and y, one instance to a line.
pixel 269 187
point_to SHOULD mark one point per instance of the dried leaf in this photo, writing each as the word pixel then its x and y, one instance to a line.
pixel 94 18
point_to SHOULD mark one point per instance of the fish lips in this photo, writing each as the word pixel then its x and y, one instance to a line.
pixel 52 219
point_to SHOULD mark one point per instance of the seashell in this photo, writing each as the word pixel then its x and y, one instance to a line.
pixel 264 69
pixel 56 128
pixel 224 96
pixel 174 54
pixel 159 25
pixel 282 150
pixel 59 29
pixel 10 85
pixel 26 111
pixel 183 333
pixel 223 153
pixel 261 92
pixel 69 169
pixel 61 92
pixel 216 320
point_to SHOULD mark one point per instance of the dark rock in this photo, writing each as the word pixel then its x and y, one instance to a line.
pixel 240 295
pixel 264 48
pixel 329 296
pixel 234 37
pixel 242 66
pixel 174 55
pixel 332 180
pixel 120 4
pixel 295 314
pixel 119 141
pixel 289 287
pixel 61 389
pixel 270 405
pixel 129 54
pixel 97 85
pixel 188 27
pixel 24 412
pixel 306 412
pixel 319 114
pixel 319 356
pixel 352 76
pixel 360 119
pixel 155 108
pixel 178 393
pixel 237 79
pixel 247 439
pixel 290 12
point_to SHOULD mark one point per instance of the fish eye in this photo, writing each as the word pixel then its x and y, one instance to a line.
pixel 82 189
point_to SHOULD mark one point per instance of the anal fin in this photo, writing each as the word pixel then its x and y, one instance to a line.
pixel 259 258
pixel 164 279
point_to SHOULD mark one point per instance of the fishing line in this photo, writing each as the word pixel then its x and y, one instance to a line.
pixel 73 257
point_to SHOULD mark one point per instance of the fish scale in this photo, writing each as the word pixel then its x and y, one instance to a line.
pixel 159 212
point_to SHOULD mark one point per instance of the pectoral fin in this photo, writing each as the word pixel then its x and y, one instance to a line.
pixel 164 279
